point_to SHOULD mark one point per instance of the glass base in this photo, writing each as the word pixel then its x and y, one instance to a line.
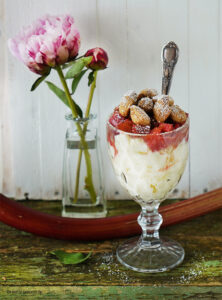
pixel 167 255
pixel 77 211
pixel 87 215
pixel 84 208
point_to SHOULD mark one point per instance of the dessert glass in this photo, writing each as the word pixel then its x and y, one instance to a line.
pixel 149 166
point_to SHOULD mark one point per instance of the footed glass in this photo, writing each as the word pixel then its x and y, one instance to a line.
pixel 149 166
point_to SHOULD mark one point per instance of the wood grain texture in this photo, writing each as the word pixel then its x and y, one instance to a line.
pixel 38 140
pixel 112 83
pixel 6 167
pixel 219 102
pixel 2 71
pixel 204 85
pixel 111 292
pixel 168 16
pixel 27 268
pixel 133 32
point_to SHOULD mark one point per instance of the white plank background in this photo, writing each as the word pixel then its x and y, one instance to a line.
pixel 133 33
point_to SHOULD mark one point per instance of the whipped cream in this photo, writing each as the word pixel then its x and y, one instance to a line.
pixel 147 175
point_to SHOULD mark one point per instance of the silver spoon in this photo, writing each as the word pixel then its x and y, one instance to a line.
pixel 169 58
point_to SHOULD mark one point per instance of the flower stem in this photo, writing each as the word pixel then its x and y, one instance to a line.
pixel 88 179
pixel 77 177
pixel 91 93
pixel 68 96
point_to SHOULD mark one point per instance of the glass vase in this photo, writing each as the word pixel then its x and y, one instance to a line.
pixel 83 192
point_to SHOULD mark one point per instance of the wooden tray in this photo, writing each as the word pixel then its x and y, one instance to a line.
pixel 27 219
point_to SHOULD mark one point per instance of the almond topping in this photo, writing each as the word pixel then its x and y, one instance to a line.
pixel 152 93
pixel 147 93
pixel 162 109
pixel 171 101
pixel 124 106
pixel 132 94
pixel 146 104
pixel 168 99
pixel 139 116
pixel 177 114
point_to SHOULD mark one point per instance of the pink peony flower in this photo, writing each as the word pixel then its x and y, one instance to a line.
pixel 99 60
pixel 50 41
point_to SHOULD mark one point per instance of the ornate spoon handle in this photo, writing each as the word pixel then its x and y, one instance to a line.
pixel 169 57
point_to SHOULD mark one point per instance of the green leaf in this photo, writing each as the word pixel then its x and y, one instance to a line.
pixel 70 258
pixel 87 60
pixel 78 109
pixel 59 93
pixel 77 79
pixel 38 81
pixel 67 65
pixel 62 96
pixel 70 63
pixel 90 78
pixel 77 66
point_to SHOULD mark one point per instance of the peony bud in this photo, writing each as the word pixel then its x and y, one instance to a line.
pixel 50 41
pixel 99 60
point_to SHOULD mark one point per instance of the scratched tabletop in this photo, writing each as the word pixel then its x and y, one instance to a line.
pixel 28 271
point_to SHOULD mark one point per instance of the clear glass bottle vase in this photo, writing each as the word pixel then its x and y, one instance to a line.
pixel 83 191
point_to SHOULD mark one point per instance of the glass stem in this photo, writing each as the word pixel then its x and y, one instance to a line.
pixel 150 221
pixel 88 180
pixel 91 93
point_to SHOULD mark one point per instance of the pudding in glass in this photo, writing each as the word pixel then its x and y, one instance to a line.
pixel 147 138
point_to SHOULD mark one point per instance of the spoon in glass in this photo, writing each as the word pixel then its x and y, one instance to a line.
pixel 170 55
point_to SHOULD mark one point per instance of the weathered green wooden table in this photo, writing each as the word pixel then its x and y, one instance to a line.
pixel 27 271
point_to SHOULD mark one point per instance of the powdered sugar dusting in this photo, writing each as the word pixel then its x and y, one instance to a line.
pixel 132 94
pixel 177 114
pixel 162 109
pixel 146 103
pixel 152 93
pixel 139 116
pixel 125 104
pixel 126 100
pixel 139 129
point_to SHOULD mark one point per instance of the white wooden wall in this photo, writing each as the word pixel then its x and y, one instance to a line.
pixel 133 33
